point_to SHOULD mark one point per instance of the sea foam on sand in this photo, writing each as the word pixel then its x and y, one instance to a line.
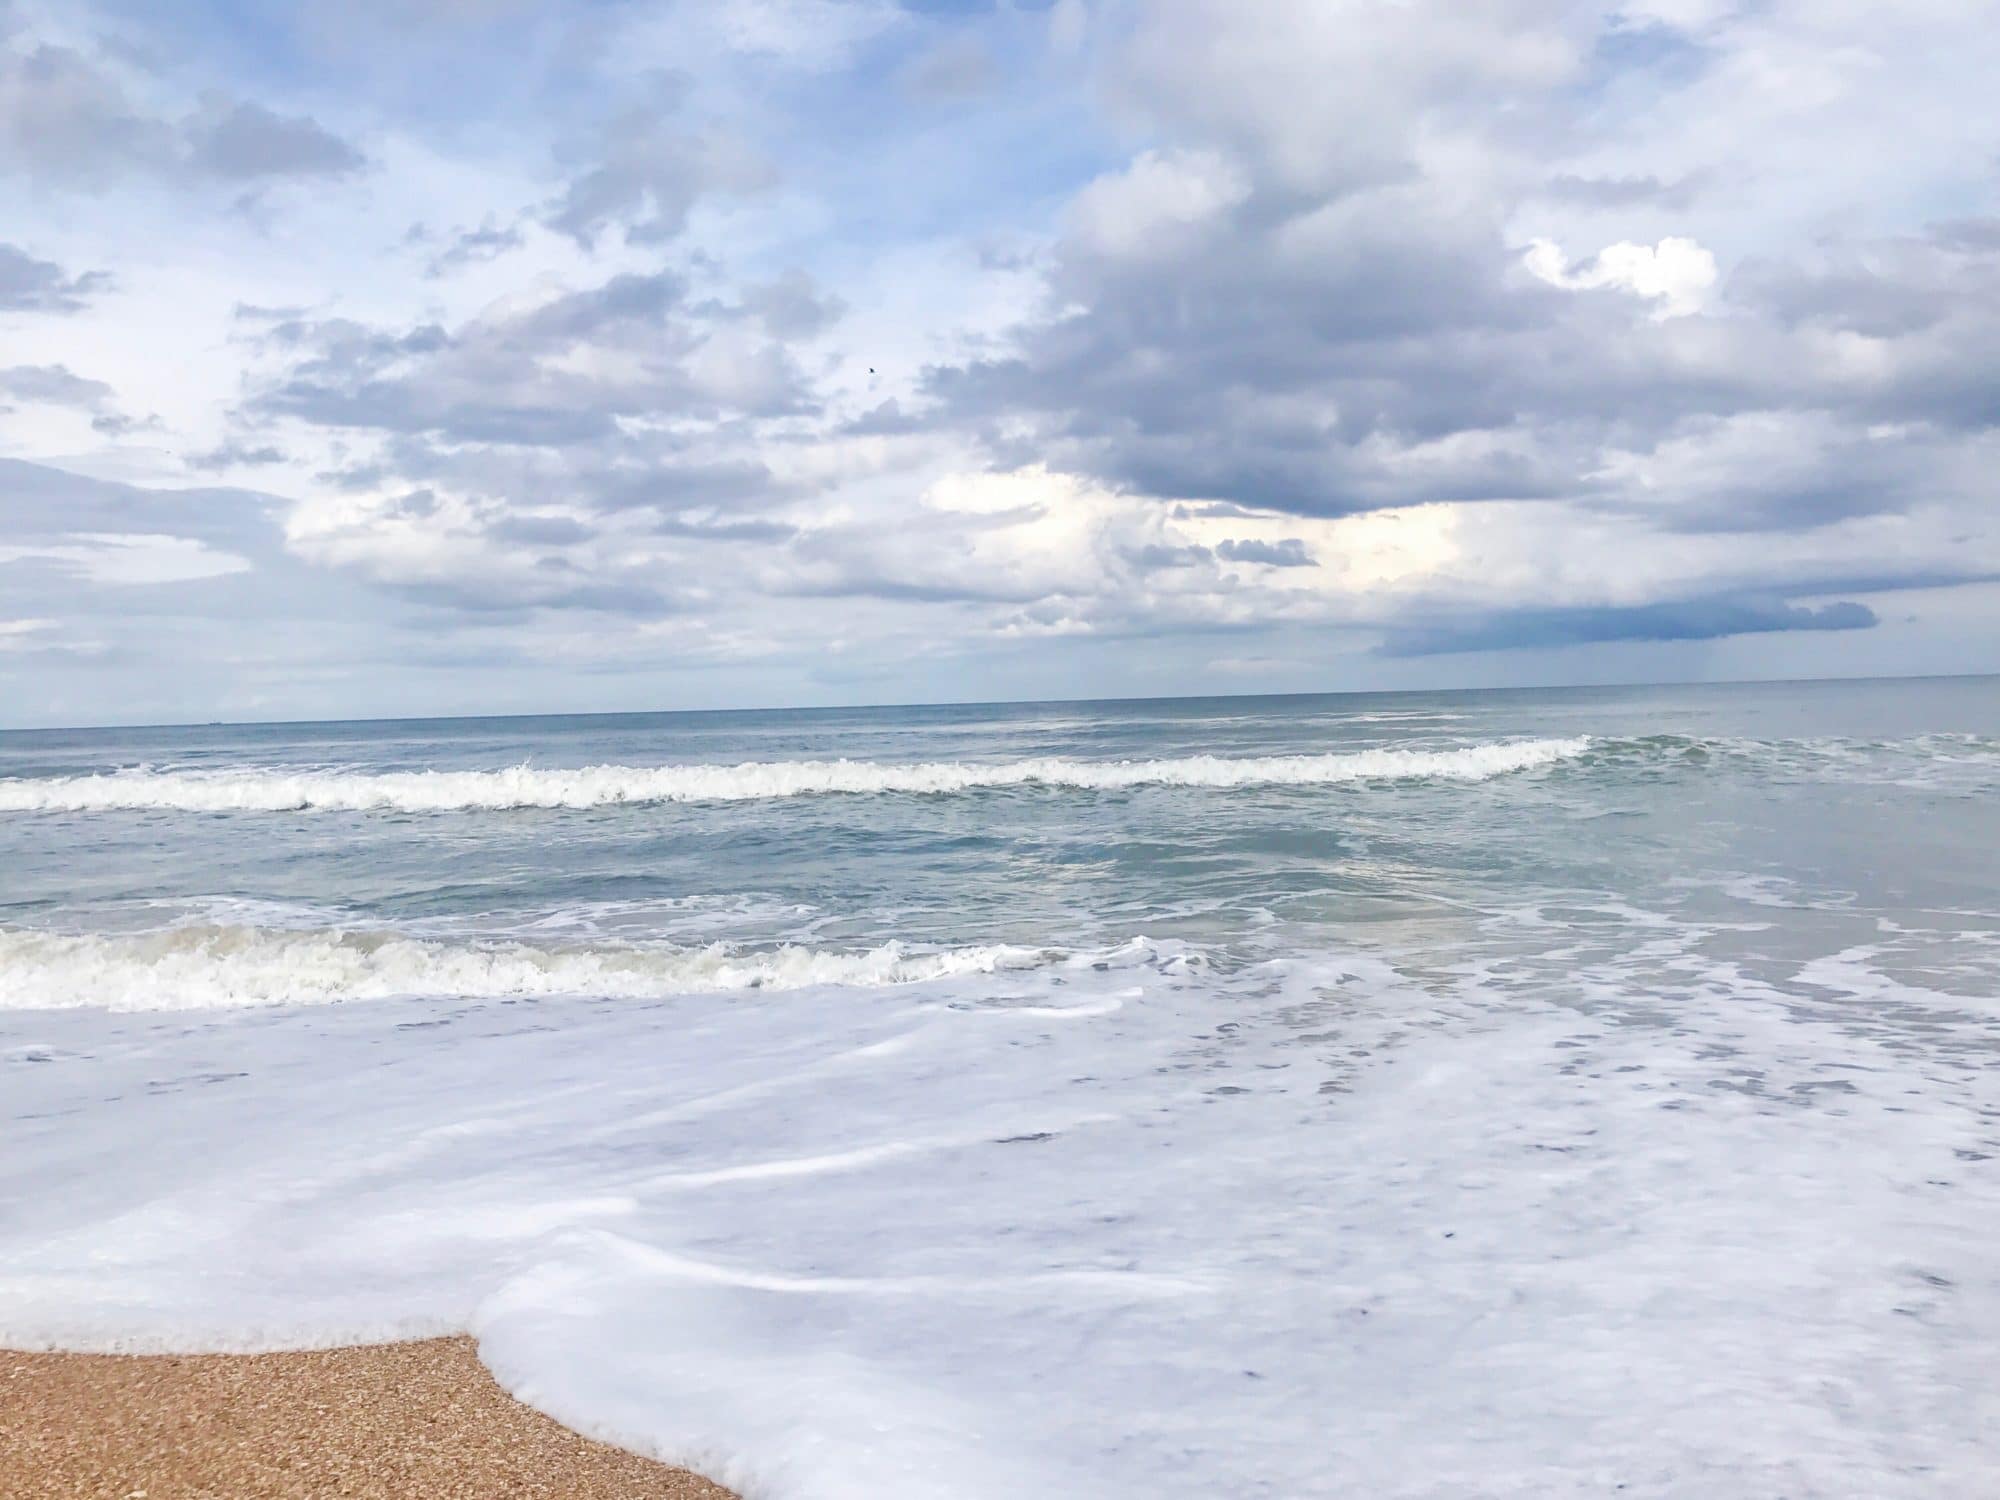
pixel 1122 1227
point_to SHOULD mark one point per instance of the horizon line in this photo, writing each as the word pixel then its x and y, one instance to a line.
pixel 633 713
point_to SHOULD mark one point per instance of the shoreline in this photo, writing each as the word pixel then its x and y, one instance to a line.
pixel 365 1422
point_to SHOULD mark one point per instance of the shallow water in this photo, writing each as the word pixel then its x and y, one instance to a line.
pixel 1511 1093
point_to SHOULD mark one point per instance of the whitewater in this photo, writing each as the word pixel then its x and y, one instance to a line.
pixel 596 786
pixel 1522 1094
pixel 198 967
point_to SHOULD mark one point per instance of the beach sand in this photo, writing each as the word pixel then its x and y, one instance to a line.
pixel 415 1421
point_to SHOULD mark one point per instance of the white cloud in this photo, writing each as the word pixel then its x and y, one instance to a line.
pixel 125 559
pixel 1676 274
pixel 19 635
pixel 1160 197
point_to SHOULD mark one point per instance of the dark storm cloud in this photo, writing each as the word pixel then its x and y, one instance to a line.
pixel 30 284
pixel 1682 620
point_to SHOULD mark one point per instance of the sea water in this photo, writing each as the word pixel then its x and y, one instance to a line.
pixel 1553 1094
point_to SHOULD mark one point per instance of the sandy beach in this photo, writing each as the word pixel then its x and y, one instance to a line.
pixel 379 1422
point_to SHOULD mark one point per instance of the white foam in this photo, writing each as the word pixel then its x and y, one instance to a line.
pixel 1386 1232
pixel 599 786
pixel 206 967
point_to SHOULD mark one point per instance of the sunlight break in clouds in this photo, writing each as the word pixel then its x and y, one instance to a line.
pixel 1675 274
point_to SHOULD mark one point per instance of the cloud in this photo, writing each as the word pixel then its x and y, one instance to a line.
pixel 472 555
pixel 643 173
pixel 1676 620
pixel 473 246
pixel 40 504
pixel 59 386
pixel 1783 471
pixel 1976 234
pixel 1511 325
pixel 1307 293
pixel 28 284
pixel 53 385
pixel 120 559
pixel 1287 552
pixel 557 373
pixel 157 604
pixel 234 455
pixel 1676 274
pixel 19 635
pixel 245 142
pixel 1152 206
pixel 68 120
pixel 596 448
pixel 791 306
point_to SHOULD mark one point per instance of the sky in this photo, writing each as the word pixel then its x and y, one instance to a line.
pixel 391 357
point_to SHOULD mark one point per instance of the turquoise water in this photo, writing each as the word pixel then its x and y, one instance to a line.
pixel 1521 1092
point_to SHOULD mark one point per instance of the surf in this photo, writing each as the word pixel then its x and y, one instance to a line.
pixel 230 967
pixel 525 786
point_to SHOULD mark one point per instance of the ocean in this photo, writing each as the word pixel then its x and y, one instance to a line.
pixel 1546 1094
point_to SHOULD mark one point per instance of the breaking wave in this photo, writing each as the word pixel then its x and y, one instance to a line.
pixel 601 786
pixel 221 967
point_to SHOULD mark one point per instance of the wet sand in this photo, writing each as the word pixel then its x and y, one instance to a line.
pixel 416 1421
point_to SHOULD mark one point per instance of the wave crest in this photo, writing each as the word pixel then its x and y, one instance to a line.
pixel 224 967
pixel 610 785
